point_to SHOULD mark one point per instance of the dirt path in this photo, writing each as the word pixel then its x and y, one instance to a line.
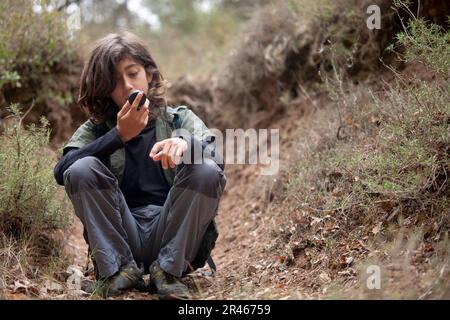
pixel 248 268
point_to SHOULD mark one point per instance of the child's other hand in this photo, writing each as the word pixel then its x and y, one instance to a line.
pixel 169 151
pixel 131 122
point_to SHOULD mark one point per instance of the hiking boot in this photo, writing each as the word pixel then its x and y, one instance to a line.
pixel 129 277
pixel 167 286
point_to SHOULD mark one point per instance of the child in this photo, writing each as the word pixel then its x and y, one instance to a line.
pixel 144 204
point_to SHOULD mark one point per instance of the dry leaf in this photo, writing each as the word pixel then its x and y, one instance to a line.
pixel 377 229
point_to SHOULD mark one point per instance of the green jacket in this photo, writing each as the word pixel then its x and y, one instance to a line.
pixel 86 133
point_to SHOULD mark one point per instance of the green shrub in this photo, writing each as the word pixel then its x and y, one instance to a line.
pixel 38 62
pixel 410 160
pixel 427 42
pixel 29 205
pixel 35 41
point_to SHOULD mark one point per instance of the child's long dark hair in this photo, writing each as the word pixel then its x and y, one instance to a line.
pixel 98 79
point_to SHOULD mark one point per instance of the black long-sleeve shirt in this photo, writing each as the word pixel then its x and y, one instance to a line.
pixel 143 179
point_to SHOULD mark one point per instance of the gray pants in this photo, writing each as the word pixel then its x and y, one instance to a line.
pixel 171 233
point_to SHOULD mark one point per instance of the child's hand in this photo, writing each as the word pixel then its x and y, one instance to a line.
pixel 169 151
pixel 131 122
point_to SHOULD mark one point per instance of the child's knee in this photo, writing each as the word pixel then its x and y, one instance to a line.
pixel 207 178
pixel 88 172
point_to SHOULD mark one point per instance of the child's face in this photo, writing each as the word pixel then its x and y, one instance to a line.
pixel 130 75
